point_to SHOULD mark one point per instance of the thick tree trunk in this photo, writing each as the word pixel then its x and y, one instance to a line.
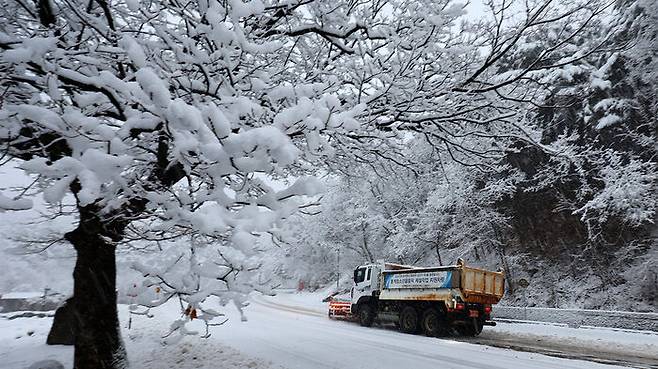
pixel 64 328
pixel 98 343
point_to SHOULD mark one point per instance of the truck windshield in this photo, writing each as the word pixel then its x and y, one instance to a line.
pixel 359 275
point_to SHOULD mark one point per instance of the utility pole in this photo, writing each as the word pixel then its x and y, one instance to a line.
pixel 337 268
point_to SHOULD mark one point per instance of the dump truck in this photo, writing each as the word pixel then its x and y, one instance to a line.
pixel 432 300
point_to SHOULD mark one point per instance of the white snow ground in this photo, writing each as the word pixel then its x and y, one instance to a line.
pixel 22 342
pixel 292 331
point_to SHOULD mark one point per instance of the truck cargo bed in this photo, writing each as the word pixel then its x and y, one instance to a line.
pixel 482 286
pixel 443 283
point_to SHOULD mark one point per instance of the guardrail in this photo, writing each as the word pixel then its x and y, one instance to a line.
pixel 29 304
pixel 576 317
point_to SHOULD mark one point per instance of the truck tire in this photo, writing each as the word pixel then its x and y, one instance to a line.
pixel 409 320
pixel 366 315
pixel 433 323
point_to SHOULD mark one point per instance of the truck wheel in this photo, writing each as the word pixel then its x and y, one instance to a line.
pixel 409 320
pixel 366 315
pixel 433 323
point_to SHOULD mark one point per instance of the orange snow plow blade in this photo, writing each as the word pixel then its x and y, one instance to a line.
pixel 340 308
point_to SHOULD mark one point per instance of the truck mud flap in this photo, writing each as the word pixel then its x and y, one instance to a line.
pixel 468 322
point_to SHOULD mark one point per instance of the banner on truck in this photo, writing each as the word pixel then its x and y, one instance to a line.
pixel 440 279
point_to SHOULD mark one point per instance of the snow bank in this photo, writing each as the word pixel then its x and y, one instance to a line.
pixel 580 317
pixel 21 295
pixel 14 204
pixel 625 342
pixel 198 354
pixel 22 343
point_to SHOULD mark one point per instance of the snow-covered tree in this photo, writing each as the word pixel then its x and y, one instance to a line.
pixel 599 116
pixel 163 118
pixel 153 114
pixel 572 179
pixel 433 212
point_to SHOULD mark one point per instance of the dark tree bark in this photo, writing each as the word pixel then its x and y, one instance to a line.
pixel 64 328
pixel 98 342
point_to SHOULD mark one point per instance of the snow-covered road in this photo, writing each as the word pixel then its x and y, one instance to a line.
pixel 291 331
pixel 303 338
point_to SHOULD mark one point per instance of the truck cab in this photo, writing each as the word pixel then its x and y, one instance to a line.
pixel 366 282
